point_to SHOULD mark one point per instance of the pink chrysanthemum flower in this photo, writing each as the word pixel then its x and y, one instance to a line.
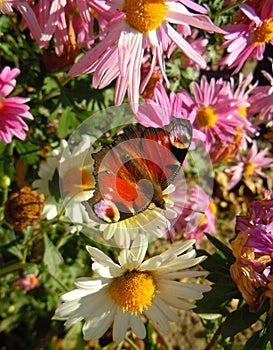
pixel 28 282
pixel 249 164
pixel 249 39
pixel 12 108
pixel 253 248
pixel 242 92
pixel 7 6
pixel 197 42
pixel 214 108
pixel 70 23
pixel 261 100
pixel 196 216
pixel 160 111
pixel 138 27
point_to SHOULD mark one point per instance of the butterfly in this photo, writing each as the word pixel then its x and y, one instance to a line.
pixel 133 171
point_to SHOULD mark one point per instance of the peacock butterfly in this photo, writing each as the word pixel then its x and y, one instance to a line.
pixel 133 171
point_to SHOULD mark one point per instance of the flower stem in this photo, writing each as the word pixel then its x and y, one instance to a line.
pixel 132 344
pixel 214 338
pixel 13 267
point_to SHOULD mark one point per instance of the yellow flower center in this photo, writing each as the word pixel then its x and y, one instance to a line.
pixel 134 291
pixel 202 220
pixel 145 15
pixel 206 117
pixel 249 169
pixel 71 181
pixel 213 208
pixel 1 100
pixel 242 111
pixel 263 33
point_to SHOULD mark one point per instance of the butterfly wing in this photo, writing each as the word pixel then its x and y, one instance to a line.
pixel 135 169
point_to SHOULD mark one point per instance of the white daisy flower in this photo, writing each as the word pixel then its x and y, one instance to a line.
pixel 154 222
pixel 124 292
pixel 76 178
pixel 47 183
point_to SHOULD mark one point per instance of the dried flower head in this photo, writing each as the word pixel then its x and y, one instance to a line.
pixel 253 248
pixel 23 208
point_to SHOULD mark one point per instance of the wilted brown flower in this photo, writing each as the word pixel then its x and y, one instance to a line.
pixel 23 207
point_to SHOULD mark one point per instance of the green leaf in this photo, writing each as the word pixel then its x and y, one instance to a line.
pixel 27 151
pixel 52 257
pixel 68 123
pixel 239 320
pixel 215 263
pixel 258 341
pixel 220 295
pixel 222 247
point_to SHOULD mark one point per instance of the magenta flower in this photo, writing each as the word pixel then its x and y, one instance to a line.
pixel 12 108
pixel 249 39
pixel 7 6
pixel 196 215
pixel 197 42
pixel 242 92
pixel 137 28
pixel 249 164
pixel 261 100
pixel 27 282
pixel 253 248
pixel 70 23
pixel 160 111
pixel 214 108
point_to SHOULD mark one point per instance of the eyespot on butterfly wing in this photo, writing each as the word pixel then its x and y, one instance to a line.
pixel 133 171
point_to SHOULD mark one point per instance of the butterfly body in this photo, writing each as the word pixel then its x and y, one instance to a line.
pixel 132 173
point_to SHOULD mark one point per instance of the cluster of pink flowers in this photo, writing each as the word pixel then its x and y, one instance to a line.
pixel 12 108
pixel 249 37
pixel 252 248
pixel 196 216
pixel 128 42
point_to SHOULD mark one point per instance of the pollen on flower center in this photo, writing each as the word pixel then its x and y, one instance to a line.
pixel 145 15
pixel 206 117
pixel 249 169
pixel 134 291
pixel 263 33
pixel 243 111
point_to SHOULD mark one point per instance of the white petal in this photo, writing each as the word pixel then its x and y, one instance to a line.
pixel 103 265
pixel 158 319
pixel 121 323
pixel 182 290
pixel 133 258
pixel 160 303
pixel 176 302
pixel 96 327
pixel 137 326
pixel 75 294
pixel 92 284
pixel 66 309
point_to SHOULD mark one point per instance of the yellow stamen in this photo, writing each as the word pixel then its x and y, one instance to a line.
pixel 134 291
pixel 213 208
pixel 202 220
pixel 1 103
pixel 249 169
pixel 206 117
pixel 242 111
pixel 149 89
pixel 263 33
pixel 145 15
